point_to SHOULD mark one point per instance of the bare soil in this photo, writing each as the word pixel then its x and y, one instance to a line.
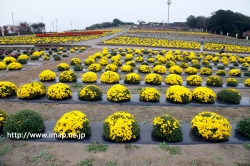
pixel 73 153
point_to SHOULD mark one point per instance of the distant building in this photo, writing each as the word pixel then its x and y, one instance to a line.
pixel 12 29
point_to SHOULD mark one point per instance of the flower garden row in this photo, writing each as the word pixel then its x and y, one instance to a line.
pixel 118 93
pixel 32 39
pixel 173 43
pixel 63 34
pixel 122 126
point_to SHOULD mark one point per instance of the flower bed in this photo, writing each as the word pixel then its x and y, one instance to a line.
pixel 173 79
pixel 118 93
pixel 62 67
pixel 89 77
pixel 59 91
pixel 31 90
pixel 121 127
pixel 203 95
pixel 8 60
pixel 149 94
pixel 179 94
pixel 47 75
pixel 132 78
pixel 194 80
pixel 67 76
pixel 168 128
pixel 153 79
pixel 72 124
pixel 90 93
pixel 110 77
pixel 7 89
pixel 211 126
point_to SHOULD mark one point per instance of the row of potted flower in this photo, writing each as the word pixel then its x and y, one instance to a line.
pixel 121 126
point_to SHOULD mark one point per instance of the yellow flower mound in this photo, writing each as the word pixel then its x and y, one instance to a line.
pixel 175 70
pixel 3 116
pixel 150 60
pixel 95 67
pixel 82 48
pixel 149 94
pixel 139 59
pixel 167 127
pixel 129 56
pixel 118 93
pixel 72 50
pixel 131 63
pixel 110 77
pixel 173 79
pixel 89 61
pixel 62 67
pixel 90 93
pixel 31 90
pixel 221 72
pixel 183 64
pixel 179 94
pixel 204 95
pixel 36 53
pixel 170 64
pixel 247 82
pixel 132 78
pixel 191 70
pixel 234 72
pixel 103 62
pixel 67 76
pixel 144 69
pixel 46 57
pixel 89 77
pixel 23 56
pixel 152 78
pixel 15 66
pixel 194 80
pixel 2 66
pixel 59 91
pixel 75 61
pixel 72 124
pixel 211 126
pixel 121 127
pixel 206 71
pixel 214 81
pixel 115 58
pixel 111 67
pixel 47 75
pixel 127 68
pixel 7 89
pixel 160 69
pixel 7 60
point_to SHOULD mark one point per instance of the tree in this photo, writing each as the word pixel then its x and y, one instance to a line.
pixel 41 26
pixel 191 21
pixel 201 22
pixel 24 27
pixel 116 22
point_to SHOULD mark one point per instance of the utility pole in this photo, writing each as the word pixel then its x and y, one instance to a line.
pixel 12 18
pixel 71 25
pixel 53 26
pixel 169 3
pixel 56 26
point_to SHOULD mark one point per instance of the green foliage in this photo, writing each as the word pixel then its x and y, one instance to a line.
pixel 229 95
pixel 246 146
pixel 97 147
pixel 5 149
pixel 208 66
pixel 85 162
pixel 243 126
pixel 32 57
pixel 231 67
pixel 244 68
pixel 22 61
pixel 129 147
pixel 24 121
pixel 197 66
pixel 78 67
pixel 43 155
pixel 90 93
pixel 172 150
pixel 235 64
pixel 57 58
pixel 247 74
pixel 214 81
pixel 111 163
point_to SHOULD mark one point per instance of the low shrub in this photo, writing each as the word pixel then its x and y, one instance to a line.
pixel 132 78
pixel 95 67
pixel 160 69
pixel 229 95
pixel 149 94
pixel 3 117
pixel 243 127
pixel 118 93
pixel 22 61
pixel 175 70
pixel 89 77
pixel 2 66
pixel 89 61
pixel 153 79
pixel 170 64
pixel 67 76
pixel 14 66
pixel 214 81
pixel 7 89
pixel 47 75
pixel 127 68
pixel 232 82
pixel 204 95
pixel 173 79
pixel 32 57
pixel 221 72
pixel 194 80
pixel 78 67
pixel 221 67
pixel 90 93
pixel 144 69
pixel 191 70
pixel 59 91
pixel 247 74
pixel 206 71
pixel 8 60
pixel 111 67
pixel 31 90
pixel 197 66
pixel 62 67
pixel 234 72
pixel 75 61
pixel 110 77
pixel 179 94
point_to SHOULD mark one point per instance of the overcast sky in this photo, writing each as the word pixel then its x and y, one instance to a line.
pixel 88 12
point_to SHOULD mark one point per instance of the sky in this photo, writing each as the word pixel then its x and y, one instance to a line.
pixel 79 14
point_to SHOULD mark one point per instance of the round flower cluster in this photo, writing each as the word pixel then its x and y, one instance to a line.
pixel 2 66
pixel 183 64
pixel 144 69
pixel 103 62
pixel 36 53
pixel 194 80
pixel 90 93
pixel 47 75
pixel 150 60
pixel 204 95
pixel 118 93
pixel 23 56
pixel 7 89
pixel 221 72
pixel 89 61
pixel 131 63
pixel 111 67
pixel 139 59
pixel 110 77
pixel 132 78
pixel 211 126
pixel 178 93
pixel 95 67
pixel 67 76
pixel 191 70
pixel 7 60
pixel 127 68
pixel 149 94
pixel 72 124
pixel 59 91
pixel 214 81
pixel 153 79
pixel 89 77
pixel 173 79
pixel 118 63
pixel 62 67
pixel 160 69
pixel 175 70
pixel 167 127
pixel 3 116
pixel 46 57
pixel 170 64
pixel 229 95
pixel 15 66
pixel 206 71
pixel 129 56
pixel 247 82
pixel 232 82
pixel 234 72
pixel 121 127
pixel 31 90
pixel 75 61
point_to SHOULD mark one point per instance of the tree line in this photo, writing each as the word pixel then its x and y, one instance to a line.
pixel 222 21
